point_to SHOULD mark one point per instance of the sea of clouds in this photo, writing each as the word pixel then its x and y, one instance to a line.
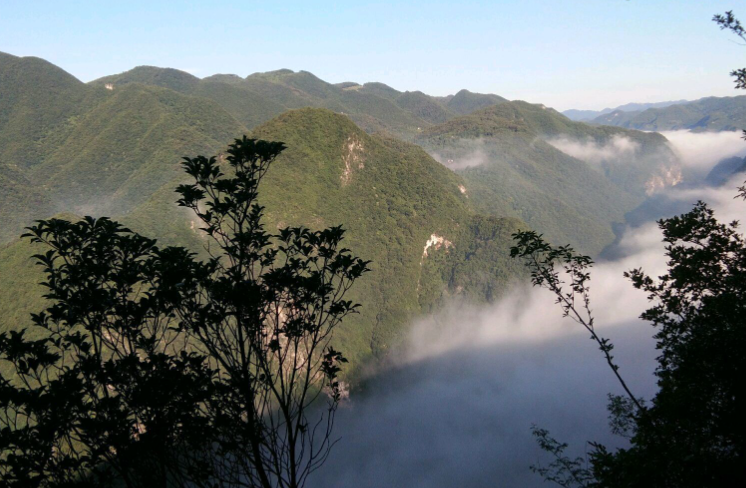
pixel 457 405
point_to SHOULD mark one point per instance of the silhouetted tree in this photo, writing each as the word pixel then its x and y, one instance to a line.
pixel 728 21
pixel 262 311
pixel 153 368
pixel 101 389
pixel 693 433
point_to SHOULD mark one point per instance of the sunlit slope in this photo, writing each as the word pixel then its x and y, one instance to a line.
pixel 706 114
pixel 129 145
pixel 392 198
pixel 38 106
pixel 510 169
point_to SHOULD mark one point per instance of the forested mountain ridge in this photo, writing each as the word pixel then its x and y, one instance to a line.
pixel 508 154
pixel 261 96
pixel 705 114
pixel 113 148
pixel 402 209
pixel 589 115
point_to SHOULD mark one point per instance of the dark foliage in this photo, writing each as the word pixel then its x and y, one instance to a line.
pixel 156 369
pixel 263 310
pixel 106 391
pixel 693 433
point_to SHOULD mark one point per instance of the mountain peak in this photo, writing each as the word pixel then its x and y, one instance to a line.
pixel 151 75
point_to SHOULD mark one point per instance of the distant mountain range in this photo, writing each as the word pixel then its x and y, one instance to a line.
pixel 705 114
pixel 589 115
pixel 429 188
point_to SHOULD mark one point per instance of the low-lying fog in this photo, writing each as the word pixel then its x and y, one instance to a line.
pixel 457 408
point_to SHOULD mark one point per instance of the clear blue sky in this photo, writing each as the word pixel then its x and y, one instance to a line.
pixel 564 53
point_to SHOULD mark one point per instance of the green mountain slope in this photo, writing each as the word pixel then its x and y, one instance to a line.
pixel 151 75
pixel 38 102
pixel 68 146
pixel 466 102
pixel 510 169
pixel 393 198
pixel 424 107
pixel 706 114
pixel 432 233
pixel 261 96
pixel 20 203
pixel 390 195
pixel 129 145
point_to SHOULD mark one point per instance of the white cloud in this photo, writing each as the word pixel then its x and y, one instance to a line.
pixel 472 152
pixel 590 151
pixel 700 151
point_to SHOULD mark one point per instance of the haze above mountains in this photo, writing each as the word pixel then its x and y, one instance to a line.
pixel 429 188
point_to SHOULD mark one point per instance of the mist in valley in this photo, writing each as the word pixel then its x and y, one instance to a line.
pixel 456 406
pixel 619 147
pixel 464 153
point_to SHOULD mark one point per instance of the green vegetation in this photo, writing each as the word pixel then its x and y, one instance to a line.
pixel 20 203
pixel 706 114
pixel 150 368
pixel 262 96
pixel 690 433
pixel 38 104
pixel 128 146
pixel 511 171
pixel 466 102
pixel 390 196
pixel 114 150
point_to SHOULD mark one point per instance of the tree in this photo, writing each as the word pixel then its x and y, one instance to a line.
pixel 693 433
pixel 151 367
pixel 101 389
pixel 262 311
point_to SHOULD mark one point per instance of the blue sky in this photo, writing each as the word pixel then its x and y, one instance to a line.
pixel 566 54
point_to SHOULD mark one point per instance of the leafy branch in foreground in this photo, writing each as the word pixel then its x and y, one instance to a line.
pixel 263 311
pixel 545 263
pixel 693 433
pixel 100 389
pixel 563 471
pixel 728 21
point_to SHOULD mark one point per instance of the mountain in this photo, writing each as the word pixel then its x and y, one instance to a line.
pixel 20 203
pixel 589 115
pixel 130 144
pixel 466 102
pixel 726 169
pixel 112 147
pixel 705 114
pixel 38 101
pixel 262 96
pixel 509 154
pixel 87 149
pixel 401 209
